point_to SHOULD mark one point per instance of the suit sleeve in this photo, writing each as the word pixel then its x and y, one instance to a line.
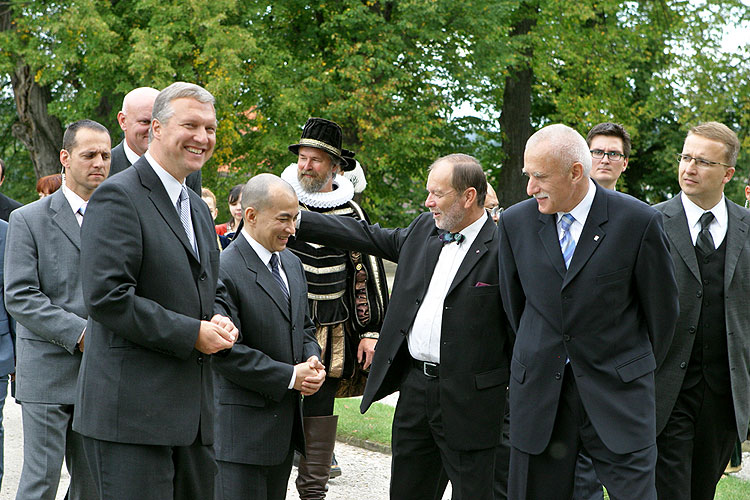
pixel 657 287
pixel 24 298
pixel 351 234
pixel 511 290
pixel 310 346
pixel 111 258
pixel 242 365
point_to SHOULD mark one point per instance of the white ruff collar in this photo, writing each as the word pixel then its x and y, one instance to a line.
pixel 343 190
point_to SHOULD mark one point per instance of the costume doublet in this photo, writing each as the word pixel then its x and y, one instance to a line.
pixel 347 291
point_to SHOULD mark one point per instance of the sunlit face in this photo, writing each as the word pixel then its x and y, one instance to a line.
pixel 185 142
pixel 87 164
pixel 552 187
pixel 443 201
pixel 136 121
pixel 315 170
pixel 211 206
pixel 273 225
pixel 704 185
pixel 491 202
pixel 606 171
pixel 235 209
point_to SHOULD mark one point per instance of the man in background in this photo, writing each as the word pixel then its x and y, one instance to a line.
pixel 7 205
pixel 609 144
pixel 135 121
pixel 43 292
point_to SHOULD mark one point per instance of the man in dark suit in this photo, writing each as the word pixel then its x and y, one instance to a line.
pixel 588 286
pixel 7 205
pixel 149 264
pixel 135 121
pixel 703 387
pixel 259 414
pixel 444 342
pixel 43 293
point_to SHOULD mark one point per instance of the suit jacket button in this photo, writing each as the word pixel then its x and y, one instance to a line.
pixel 691 329
pixel 203 276
pixel 683 365
pixel 204 317
pixel 558 376
pixel 566 338
pixel 699 294
pixel 200 360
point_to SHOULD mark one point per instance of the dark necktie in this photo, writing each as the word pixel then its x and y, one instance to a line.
pixel 451 237
pixel 277 274
pixel 705 242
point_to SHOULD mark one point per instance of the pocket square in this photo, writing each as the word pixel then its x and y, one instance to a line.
pixel 481 283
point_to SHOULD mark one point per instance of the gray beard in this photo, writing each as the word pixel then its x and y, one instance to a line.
pixel 312 185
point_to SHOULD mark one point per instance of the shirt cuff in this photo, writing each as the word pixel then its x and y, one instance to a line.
pixel 294 376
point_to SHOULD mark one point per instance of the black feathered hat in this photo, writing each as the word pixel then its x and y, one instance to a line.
pixel 325 135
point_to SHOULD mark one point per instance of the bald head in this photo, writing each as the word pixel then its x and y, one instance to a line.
pixel 135 117
pixel 270 209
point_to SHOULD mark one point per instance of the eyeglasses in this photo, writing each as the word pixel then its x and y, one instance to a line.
pixel 494 211
pixel 699 161
pixel 612 155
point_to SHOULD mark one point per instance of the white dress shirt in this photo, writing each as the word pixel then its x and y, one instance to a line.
pixel 129 153
pixel 75 202
pixel 424 336
pixel 265 257
pixel 580 213
pixel 718 226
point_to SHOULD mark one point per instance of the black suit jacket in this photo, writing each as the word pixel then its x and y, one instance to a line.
pixel 120 162
pixel 612 314
pixel 475 344
pixel 141 380
pixel 257 415
pixel 7 205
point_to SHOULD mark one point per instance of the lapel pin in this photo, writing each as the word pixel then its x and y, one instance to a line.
pixel 477 251
pixel 596 238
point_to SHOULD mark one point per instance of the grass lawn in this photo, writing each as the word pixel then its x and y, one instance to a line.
pixel 375 427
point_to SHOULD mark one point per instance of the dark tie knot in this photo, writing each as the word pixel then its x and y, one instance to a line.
pixel 274 261
pixel 451 237
pixel 706 219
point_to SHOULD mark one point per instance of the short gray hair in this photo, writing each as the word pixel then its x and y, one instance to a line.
pixel 257 191
pixel 565 145
pixel 163 109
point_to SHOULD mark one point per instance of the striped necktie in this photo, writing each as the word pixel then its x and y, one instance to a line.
pixel 277 274
pixel 183 209
pixel 567 244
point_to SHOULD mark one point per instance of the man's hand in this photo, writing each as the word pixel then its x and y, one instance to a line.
pixel 309 376
pixel 216 335
pixel 80 342
pixel 366 351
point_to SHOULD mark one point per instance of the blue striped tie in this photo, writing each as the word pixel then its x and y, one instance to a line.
pixel 567 244
pixel 183 209
pixel 277 274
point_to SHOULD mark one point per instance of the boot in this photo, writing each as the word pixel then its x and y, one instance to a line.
pixel 314 468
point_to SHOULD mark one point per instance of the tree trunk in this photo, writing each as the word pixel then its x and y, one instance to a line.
pixel 39 131
pixel 515 116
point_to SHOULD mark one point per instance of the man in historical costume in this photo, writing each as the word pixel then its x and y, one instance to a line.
pixel 347 292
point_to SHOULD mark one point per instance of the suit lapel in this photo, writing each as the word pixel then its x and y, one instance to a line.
pixel 296 283
pixel 159 197
pixel 551 242
pixel 475 253
pixel 737 234
pixel 63 216
pixel 592 235
pixel 263 275
pixel 676 227
pixel 431 255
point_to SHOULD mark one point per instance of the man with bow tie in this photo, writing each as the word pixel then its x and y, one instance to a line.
pixel 444 343
pixel 589 288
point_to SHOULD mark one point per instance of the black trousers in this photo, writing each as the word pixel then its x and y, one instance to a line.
pixel 550 475
pixel 421 453
pixel 696 444
pixel 253 482
pixel 146 472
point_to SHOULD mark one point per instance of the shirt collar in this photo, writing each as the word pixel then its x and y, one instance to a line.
pixel 129 153
pixel 581 211
pixel 74 200
pixel 471 231
pixel 171 185
pixel 693 212
pixel 263 253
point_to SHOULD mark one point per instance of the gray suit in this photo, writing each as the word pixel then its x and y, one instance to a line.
pixel 736 293
pixel 120 162
pixel 43 293
pixel 258 418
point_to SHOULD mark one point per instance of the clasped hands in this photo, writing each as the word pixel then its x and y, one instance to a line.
pixel 216 335
pixel 309 376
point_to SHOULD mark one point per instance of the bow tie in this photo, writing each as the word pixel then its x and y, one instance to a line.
pixel 451 237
